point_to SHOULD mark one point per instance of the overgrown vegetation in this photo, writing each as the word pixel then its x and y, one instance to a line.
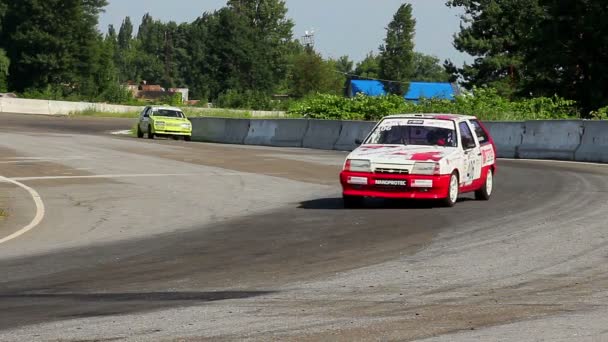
pixel 483 103
pixel 244 54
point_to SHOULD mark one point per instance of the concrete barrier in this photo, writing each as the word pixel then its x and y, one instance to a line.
pixel 557 139
pixel 322 134
pixel 66 108
pixel 280 132
pixel 24 106
pixel 219 130
pixel 261 132
pixel 352 131
pixel 594 145
pixel 508 137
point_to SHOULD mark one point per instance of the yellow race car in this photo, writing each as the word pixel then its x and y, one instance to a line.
pixel 164 122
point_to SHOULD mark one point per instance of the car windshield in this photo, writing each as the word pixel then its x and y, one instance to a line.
pixel 422 132
pixel 168 113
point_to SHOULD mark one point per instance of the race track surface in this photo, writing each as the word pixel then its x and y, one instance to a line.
pixel 172 241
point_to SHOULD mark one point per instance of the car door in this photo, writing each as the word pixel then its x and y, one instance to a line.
pixel 472 157
pixel 144 120
pixel 488 154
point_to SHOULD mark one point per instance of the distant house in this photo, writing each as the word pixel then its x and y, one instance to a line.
pixel 416 91
pixel 146 91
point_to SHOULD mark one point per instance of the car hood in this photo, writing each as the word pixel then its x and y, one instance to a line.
pixel 401 154
pixel 168 119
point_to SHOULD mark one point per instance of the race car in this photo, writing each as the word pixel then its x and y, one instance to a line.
pixel 421 156
pixel 164 122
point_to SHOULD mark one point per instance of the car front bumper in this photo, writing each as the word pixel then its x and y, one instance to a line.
pixel 365 184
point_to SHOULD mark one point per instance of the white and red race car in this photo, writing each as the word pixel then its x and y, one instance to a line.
pixel 421 156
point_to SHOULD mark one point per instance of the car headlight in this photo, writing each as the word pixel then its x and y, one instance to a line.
pixel 159 123
pixel 186 125
pixel 358 165
pixel 427 169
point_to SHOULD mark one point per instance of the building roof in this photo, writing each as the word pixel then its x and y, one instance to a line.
pixel 416 91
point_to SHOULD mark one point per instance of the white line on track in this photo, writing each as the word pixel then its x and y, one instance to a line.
pixel 40 210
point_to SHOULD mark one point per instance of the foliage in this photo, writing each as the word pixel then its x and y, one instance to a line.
pixel 54 42
pixel 249 99
pixel 427 68
pixel 369 67
pixel 310 73
pixel 4 71
pixel 483 103
pixel 537 48
pixel 397 52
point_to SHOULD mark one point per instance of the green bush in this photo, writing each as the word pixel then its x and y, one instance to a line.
pixel 250 99
pixel 483 103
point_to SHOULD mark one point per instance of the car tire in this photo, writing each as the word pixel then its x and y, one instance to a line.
pixel 352 202
pixel 150 134
pixel 140 134
pixel 485 192
pixel 453 191
pixel 187 138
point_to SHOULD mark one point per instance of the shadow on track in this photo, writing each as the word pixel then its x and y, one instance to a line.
pixel 372 203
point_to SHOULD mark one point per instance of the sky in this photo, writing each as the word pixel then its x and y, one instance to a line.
pixel 342 27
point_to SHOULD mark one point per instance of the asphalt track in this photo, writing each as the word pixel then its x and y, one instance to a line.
pixel 167 240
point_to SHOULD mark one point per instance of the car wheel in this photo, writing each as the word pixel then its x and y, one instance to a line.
pixel 352 202
pixel 140 134
pixel 453 190
pixel 150 134
pixel 187 138
pixel 485 192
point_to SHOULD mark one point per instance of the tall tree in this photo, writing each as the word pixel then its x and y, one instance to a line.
pixel 495 32
pixel 427 68
pixel 397 52
pixel 52 42
pixel 268 33
pixel 125 34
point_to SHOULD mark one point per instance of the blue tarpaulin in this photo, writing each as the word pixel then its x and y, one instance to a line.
pixel 416 91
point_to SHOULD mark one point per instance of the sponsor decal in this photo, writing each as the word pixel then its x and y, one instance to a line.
pixel 415 122
pixel 391 182
pixel 357 180
pixel 422 183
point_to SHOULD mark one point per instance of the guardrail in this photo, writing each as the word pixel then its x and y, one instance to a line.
pixel 574 140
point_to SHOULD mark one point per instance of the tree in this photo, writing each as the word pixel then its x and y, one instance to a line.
pixel 427 68
pixel 52 42
pixel 537 47
pixel 496 34
pixel 313 74
pixel 397 52
pixel 267 33
pixel 345 65
pixel 125 34
pixel 5 64
pixel 369 68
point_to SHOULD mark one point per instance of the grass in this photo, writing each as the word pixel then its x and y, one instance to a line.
pixel 3 214
pixel 191 113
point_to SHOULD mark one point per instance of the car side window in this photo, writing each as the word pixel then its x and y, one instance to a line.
pixel 482 136
pixel 466 136
pixel 146 112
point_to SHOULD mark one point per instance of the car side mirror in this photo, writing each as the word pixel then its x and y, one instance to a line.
pixel 358 142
